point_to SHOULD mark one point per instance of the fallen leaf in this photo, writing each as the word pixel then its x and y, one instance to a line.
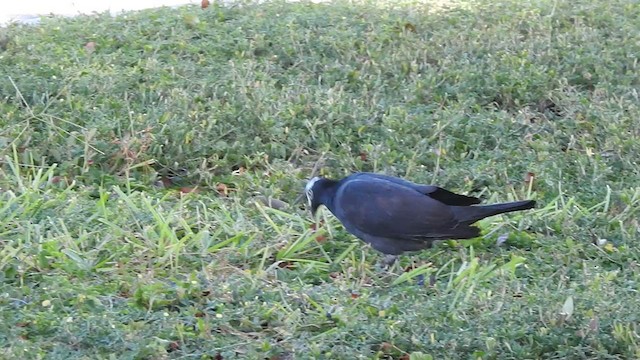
pixel 90 47
pixel 204 4
pixel 529 177
pixel 223 189
pixel 363 156
pixel 316 226
pixel 385 346
pixel 163 182
pixel 354 295
pixel 410 27
pixel 567 308
pixel 321 238
pixel 186 190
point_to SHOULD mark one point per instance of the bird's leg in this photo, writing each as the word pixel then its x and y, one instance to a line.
pixel 389 260
pixel 386 263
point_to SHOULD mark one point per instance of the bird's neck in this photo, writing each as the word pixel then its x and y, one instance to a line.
pixel 328 192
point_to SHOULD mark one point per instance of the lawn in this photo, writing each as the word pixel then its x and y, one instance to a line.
pixel 138 155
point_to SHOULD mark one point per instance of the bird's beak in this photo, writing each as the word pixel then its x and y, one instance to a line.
pixel 314 209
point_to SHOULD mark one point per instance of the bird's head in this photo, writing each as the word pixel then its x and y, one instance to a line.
pixel 311 190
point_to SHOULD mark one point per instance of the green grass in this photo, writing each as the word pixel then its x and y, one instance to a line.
pixel 97 260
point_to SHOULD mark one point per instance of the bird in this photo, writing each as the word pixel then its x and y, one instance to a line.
pixel 395 215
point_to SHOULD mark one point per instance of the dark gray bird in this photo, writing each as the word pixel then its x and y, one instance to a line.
pixel 396 215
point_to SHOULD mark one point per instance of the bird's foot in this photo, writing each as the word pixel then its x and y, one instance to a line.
pixel 387 263
pixel 389 260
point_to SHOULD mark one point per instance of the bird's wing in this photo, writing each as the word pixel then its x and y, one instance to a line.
pixel 445 196
pixel 387 209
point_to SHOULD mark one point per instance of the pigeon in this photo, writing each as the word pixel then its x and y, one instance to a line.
pixel 396 215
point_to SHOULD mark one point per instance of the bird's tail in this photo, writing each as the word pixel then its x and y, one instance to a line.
pixel 470 214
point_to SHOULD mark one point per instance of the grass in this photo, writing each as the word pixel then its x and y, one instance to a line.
pixel 138 153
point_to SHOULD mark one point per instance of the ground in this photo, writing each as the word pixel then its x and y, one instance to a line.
pixel 138 153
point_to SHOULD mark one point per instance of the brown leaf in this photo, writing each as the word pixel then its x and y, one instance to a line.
pixel 363 156
pixel 204 4
pixel 164 182
pixel 316 226
pixel 218 357
pixel 321 238
pixel 410 27
pixel 529 177
pixel 223 189
pixel 186 190
pixel 385 347
pixel 354 295
pixel 90 47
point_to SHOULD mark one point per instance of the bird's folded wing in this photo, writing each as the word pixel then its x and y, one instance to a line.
pixel 387 209
pixel 435 192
